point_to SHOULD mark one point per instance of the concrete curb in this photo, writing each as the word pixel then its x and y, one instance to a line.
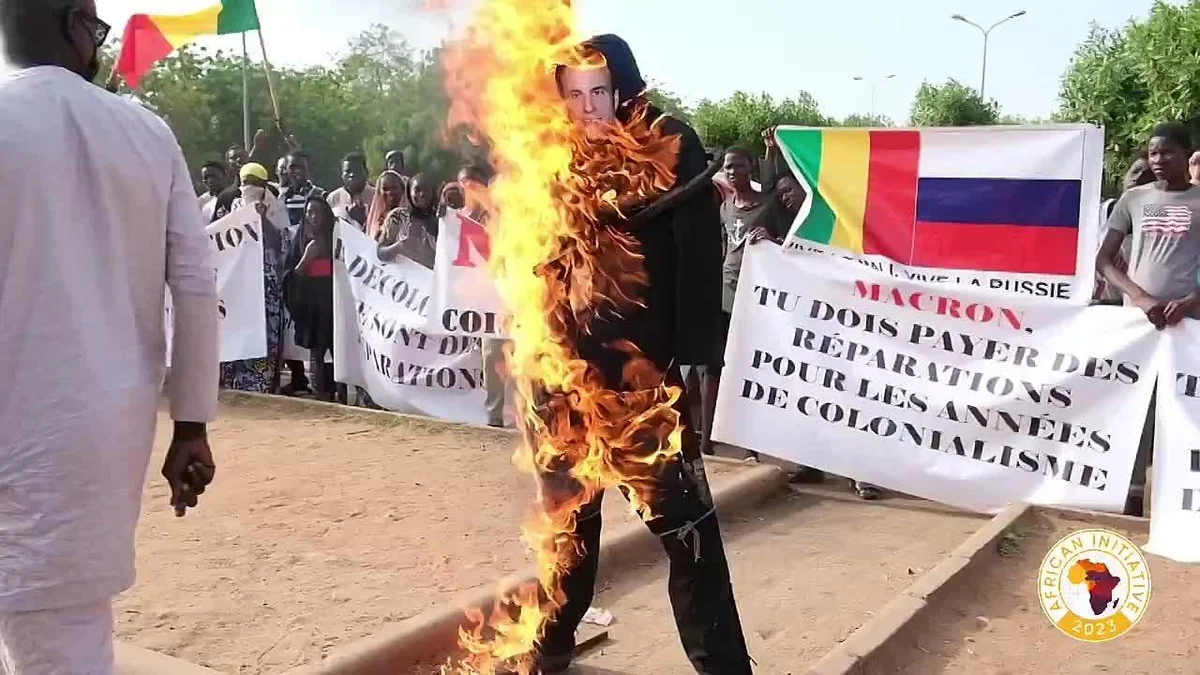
pixel 379 416
pixel 132 660
pixel 434 632
pixel 1114 520
pixel 848 657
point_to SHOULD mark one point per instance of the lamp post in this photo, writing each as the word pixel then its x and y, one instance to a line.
pixel 986 33
pixel 873 84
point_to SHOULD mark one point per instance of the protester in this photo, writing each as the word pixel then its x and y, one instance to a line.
pixel 215 181
pixel 235 158
pixel 679 240
pixel 411 229
pixel 1194 168
pixel 747 216
pixel 472 187
pixel 1138 174
pixel 281 173
pixel 262 375
pixel 297 188
pixel 391 192
pixel 101 221
pixel 354 198
pixel 394 161
pixel 1164 260
pixel 309 293
pixel 225 202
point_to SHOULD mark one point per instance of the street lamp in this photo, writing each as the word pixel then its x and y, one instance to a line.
pixel 873 84
pixel 986 32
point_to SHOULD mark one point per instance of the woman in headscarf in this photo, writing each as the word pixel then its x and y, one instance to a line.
pixel 411 230
pixel 262 375
pixel 391 192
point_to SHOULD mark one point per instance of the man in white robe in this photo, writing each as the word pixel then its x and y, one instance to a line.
pixel 100 218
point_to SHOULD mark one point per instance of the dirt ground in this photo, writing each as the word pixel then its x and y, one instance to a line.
pixel 807 571
pixel 319 530
pixel 993 625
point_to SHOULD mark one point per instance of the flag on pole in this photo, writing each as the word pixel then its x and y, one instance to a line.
pixel 149 38
pixel 1000 200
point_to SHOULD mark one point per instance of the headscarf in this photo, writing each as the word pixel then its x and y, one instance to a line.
pixel 378 214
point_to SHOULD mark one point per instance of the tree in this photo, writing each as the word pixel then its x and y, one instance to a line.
pixel 741 118
pixel 860 120
pixel 668 102
pixel 377 96
pixel 1130 78
pixel 952 105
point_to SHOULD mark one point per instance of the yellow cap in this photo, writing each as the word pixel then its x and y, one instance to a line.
pixel 254 170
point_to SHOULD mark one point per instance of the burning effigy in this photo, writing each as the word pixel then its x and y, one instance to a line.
pixel 606 248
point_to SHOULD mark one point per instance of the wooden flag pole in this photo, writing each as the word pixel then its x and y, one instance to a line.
pixel 246 138
pixel 271 90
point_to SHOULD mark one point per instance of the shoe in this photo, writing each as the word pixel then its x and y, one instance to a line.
pixel 553 665
pixel 867 492
pixel 1134 506
pixel 291 390
pixel 806 474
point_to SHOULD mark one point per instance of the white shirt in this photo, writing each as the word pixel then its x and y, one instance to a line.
pixel 101 218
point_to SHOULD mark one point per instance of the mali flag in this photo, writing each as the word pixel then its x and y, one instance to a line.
pixel 993 200
pixel 149 38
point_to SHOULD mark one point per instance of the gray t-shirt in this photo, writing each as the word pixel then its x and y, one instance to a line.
pixel 738 222
pixel 1164 257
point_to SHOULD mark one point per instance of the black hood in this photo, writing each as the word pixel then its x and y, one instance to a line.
pixel 626 76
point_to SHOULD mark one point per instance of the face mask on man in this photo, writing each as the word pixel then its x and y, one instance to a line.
pixel 254 194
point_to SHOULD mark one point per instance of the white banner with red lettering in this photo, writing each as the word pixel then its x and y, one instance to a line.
pixel 1175 492
pixel 238 255
pixel 962 395
pixel 465 300
pixel 380 311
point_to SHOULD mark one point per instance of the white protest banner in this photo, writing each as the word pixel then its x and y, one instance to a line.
pixel 376 308
pixel 1011 209
pixel 1175 491
pixel 465 300
pixel 238 255
pixel 969 397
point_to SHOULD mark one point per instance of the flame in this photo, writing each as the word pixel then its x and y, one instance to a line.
pixel 560 257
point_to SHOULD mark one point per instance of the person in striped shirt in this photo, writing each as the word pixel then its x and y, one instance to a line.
pixel 295 196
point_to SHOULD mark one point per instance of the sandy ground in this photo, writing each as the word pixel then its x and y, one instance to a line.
pixel 807 571
pixel 1017 638
pixel 319 530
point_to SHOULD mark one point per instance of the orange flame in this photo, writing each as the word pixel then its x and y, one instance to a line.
pixel 559 256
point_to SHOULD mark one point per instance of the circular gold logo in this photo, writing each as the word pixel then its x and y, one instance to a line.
pixel 1094 585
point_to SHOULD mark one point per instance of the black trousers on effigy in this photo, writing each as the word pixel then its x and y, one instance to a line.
pixel 699 586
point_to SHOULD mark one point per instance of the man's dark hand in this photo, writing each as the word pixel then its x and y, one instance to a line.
pixel 1155 309
pixel 189 469
pixel 757 234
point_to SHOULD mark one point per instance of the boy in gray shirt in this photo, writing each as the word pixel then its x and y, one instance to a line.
pixel 1163 218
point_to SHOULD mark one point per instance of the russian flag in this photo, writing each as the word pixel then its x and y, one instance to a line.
pixel 1001 201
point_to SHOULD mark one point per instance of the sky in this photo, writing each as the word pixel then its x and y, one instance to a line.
pixel 710 48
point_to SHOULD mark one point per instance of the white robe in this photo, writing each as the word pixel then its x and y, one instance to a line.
pixel 100 216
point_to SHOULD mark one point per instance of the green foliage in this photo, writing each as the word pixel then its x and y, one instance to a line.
pixel 860 120
pixel 668 102
pixel 742 118
pixel 952 104
pixel 379 96
pixel 1131 78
